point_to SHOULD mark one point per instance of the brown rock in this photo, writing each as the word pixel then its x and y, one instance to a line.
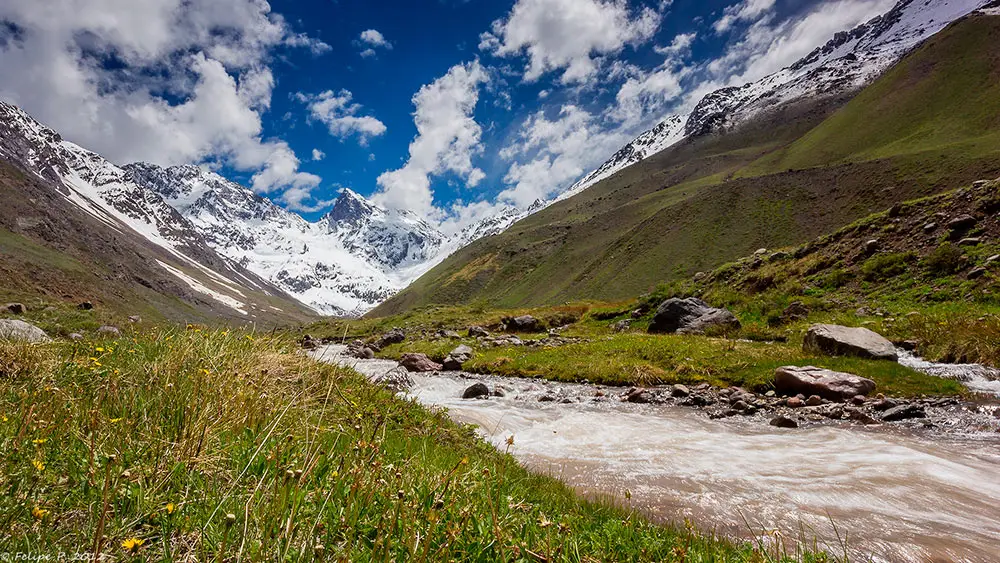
pixel 418 363
pixel 833 385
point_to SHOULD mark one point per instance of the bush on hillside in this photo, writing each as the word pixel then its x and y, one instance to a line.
pixel 945 260
pixel 885 266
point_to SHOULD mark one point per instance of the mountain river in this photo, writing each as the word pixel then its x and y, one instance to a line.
pixel 884 492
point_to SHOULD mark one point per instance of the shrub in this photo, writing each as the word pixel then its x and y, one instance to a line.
pixel 885 266
pixel 946 259
pixel 836 278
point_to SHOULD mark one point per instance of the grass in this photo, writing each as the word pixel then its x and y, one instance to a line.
pixel 645 359
pixel 173 444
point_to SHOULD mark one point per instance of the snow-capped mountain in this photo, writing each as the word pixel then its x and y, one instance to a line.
pixel 663 135
pixel 849 61
pixel 111 198
pixel 354 257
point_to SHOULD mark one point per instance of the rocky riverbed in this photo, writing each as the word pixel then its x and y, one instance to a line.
pixel 900 490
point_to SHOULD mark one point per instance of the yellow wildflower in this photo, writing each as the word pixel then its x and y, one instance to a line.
pixel 99 349
pixel 39 512
pixel 205 371
pixel 114 420
pixel 170 508
pixel 132 545
pixel 39 441
pixel 39 465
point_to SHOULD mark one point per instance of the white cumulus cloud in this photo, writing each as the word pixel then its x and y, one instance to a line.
pixel 188 84
pixel 340 115
pixel 571 35
pixel 447 138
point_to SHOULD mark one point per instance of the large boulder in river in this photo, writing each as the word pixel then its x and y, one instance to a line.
pixel 476 390
pixel 690 316
pixel 836 340
pixel 14 329
pixel 418 363
pixel 809 380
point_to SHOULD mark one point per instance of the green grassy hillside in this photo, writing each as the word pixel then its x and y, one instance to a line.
pixel 781 180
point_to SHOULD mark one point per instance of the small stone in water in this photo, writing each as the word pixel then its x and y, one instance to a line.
pixel 783 422
pixel 794 402
pixel 814 401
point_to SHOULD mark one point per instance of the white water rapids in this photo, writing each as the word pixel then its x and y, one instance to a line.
pixel 894 495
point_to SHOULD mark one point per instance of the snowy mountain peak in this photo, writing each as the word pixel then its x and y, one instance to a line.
pixel 350 208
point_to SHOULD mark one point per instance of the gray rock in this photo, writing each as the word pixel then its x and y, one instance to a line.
pixel 621 326
pixel 691 316
pixel 108 330
pixel 858 415
pixel 930 227
pixel 449 334
pixel 394 336
pixel 794 403
pixel 679 390
pixel 962 223
pixel 418 363
pixel 478 331
pixel 461 352
pixel 85 306
pixel 365 353
pixel 992 260
pixel 903 412
pixel 870 247
pixel 18 330
pixel 976 273
pixel 75 336
pixel 637 395
pixel 836 340
pixel 476 390
pixel 782 421
pixel 135 319
pixel 833 385
pixel 814 401
pixel 396 380
pixel 795 311
pixel 523 323
pixel 15 308
pixel 970 241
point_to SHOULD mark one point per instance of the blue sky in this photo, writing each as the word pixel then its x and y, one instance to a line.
pixel 447 108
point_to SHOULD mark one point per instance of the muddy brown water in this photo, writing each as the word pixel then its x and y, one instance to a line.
pixel 886 495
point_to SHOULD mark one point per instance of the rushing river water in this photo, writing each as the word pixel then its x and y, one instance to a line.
pixel 895 496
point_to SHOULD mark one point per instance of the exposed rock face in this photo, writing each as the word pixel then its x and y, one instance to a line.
pixel 18 330
pixel 476 390
pixel 477 332
pixel 836 340
pixel 419 363
pixel 14 308
pixel 809 380
pixel 690 316
pixel 524 323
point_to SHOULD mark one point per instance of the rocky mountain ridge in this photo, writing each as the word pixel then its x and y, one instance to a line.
pixel 847 62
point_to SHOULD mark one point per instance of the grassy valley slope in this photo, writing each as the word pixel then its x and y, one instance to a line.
pixel 927 125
